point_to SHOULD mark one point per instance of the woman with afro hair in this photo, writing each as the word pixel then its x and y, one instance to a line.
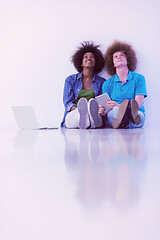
pixel 126 88
pixel 81 88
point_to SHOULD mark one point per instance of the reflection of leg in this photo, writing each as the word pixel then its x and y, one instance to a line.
pixel 95 118
pixel 84 121
pixel 94 148
pixel 84 146
pixel 72 141
pixel 72 119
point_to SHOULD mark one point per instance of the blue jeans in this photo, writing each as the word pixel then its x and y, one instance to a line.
pixel 114 113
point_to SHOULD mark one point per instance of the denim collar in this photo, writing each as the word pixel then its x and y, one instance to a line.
pixel 129 77
pixel 80 77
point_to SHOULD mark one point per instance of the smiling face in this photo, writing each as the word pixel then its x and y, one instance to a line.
pixel 119 59
pixel 88 60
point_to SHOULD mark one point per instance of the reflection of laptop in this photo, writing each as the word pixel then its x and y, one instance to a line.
pixel 102 99
pixel 26 118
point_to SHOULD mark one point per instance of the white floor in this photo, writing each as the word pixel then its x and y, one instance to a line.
pixel 80 184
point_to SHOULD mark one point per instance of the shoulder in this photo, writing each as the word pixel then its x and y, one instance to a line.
pixel 137 75
pixel 71 78
pixel 109 80
pixel 100 79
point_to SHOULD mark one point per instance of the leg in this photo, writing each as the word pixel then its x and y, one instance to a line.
pixel 82 107
pixel 133 112
pixel 79 117
pixel 72 119
pixel 122 119
pixel 95 119
pixel 112 115
pixel 142 120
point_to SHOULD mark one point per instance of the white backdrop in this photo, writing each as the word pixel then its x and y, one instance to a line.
pixel 38 37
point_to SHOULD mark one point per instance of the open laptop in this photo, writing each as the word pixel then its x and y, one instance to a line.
pixel 26 118
pixel 102 100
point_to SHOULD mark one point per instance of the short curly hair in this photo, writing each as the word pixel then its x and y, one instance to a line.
pixel 85 47
pixel 127 49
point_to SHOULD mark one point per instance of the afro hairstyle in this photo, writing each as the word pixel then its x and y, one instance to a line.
pixel 127 49
pixel 85 47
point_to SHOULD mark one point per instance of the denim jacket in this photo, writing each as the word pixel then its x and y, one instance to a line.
pixel 72 87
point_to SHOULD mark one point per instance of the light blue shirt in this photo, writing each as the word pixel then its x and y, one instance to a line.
pixel 118 92
pixel 72 87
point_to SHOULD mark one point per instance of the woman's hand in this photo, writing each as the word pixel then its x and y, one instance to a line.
pixel 112 104
pixel 73 108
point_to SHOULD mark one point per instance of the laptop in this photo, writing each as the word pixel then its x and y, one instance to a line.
pixel 102 99
pixel 26 118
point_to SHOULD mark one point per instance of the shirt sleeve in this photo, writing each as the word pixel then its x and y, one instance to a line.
pixel 68 94
pixel 100 88
pixel 141 86
pixel 106 87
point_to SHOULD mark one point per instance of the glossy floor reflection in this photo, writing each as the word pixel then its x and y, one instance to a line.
pixel 80 184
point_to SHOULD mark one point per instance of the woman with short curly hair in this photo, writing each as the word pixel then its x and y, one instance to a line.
pixel 80 89
pixel 125 88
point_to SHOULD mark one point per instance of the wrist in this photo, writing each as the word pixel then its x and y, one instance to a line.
pixel 73 108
